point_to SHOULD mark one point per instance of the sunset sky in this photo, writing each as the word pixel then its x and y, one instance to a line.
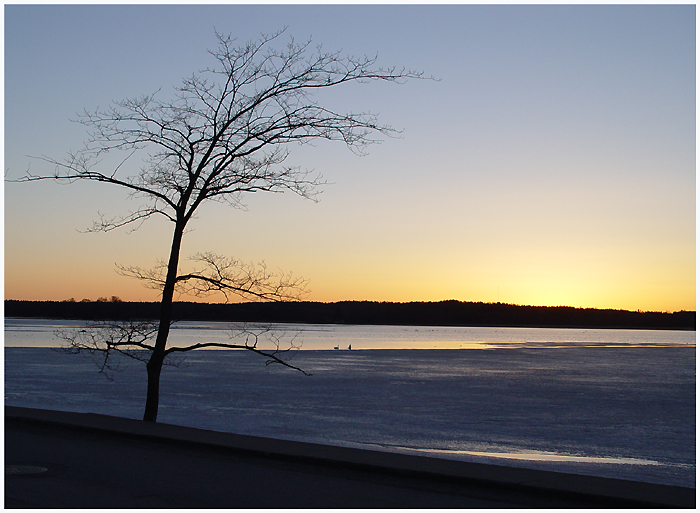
pixel 553 163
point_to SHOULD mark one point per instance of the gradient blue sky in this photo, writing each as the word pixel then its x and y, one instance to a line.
pixel 552 164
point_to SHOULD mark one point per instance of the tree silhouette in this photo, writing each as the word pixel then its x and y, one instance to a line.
pixel 225 132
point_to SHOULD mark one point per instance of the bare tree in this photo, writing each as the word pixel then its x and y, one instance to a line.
pixel 226 132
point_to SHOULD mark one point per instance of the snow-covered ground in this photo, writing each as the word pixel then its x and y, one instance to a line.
pixel 624 411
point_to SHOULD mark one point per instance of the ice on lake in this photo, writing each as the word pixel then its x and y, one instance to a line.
pixel 623 408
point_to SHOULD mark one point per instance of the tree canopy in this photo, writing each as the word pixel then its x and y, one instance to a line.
pixel 225 132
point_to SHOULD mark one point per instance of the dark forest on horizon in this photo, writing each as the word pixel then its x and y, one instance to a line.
pixel 441 313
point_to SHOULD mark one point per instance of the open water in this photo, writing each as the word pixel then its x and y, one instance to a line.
pixel 614 403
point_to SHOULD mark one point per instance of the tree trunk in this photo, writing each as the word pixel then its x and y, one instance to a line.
pixel 153 367
pixel 155 363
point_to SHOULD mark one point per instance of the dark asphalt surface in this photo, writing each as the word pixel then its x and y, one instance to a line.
pixel 89 468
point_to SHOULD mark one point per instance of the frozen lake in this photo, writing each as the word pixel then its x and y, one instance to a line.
pixel 615 403
pixel 40 333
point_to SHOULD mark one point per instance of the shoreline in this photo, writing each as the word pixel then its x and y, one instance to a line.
pixel 456 326
pixel 521 484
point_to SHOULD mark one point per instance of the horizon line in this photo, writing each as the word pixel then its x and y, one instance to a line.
pixel 119 300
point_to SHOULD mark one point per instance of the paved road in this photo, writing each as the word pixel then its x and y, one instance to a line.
pixel 88 468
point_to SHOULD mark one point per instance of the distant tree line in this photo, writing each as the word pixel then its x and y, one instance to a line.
pixel 112 299
pixel 442 313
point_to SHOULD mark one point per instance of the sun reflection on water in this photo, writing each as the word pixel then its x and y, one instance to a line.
pixel 528 455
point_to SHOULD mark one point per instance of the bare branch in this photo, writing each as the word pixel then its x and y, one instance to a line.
pixel 228 275
pixel 227 130
pixel 153 278
pixel 251 338
pixel 132 339
pixel 138 216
